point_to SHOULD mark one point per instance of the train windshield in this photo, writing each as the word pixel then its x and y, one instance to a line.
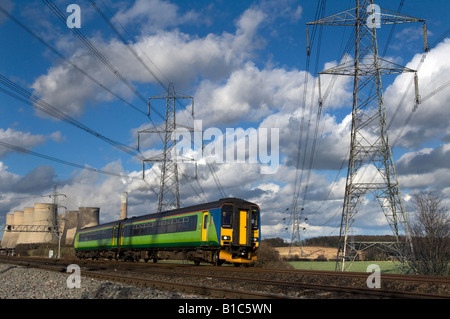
pixel 227 216
pixel 255 218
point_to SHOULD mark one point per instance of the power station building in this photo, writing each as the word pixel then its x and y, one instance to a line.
pixel 36 225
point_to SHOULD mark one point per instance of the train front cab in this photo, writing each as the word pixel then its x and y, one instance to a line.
pixel 240 232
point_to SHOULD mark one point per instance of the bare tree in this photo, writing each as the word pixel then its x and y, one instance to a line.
pixel 431 235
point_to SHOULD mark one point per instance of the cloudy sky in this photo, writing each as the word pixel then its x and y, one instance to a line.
pixel 79 101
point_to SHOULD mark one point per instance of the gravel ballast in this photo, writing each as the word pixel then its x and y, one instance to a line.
pixel 18 282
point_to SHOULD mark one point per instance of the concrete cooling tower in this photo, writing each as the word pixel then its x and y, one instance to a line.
pixel 27 221
pixel 17 221
pixel 43 216
pixel 88 216
pixel 7 235
pixel 70 227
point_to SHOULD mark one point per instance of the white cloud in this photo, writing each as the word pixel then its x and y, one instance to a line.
pixel 180 57
pixel 252 94
pixel 432 118
pixel 6 178
pixel 154 15
pixel 57 136
pixel 232 89
pixel 19 139
pixel 425 168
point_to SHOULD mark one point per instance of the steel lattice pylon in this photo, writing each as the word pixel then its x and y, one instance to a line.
pixel 169 190
pixel 369 148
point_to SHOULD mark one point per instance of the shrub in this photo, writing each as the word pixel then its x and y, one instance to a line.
pixel 268 257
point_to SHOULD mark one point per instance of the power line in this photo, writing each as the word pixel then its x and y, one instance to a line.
pixel 98 54
pixel 428 96
pixel 124 41
pixel 67 61
pixel 59 54
pixel 368 119
pixel 72 64
pixel 64 162
pixel 136 55
pixel 130 48
pixel 33 100
pixel 298 179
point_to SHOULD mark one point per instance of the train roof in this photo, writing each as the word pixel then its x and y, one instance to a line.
pixel 199 207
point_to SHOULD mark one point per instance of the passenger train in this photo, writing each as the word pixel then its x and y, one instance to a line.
pixel 227 230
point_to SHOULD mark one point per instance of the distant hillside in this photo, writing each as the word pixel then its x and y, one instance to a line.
pixel 325 248
pixel 307 253
pixel 329 241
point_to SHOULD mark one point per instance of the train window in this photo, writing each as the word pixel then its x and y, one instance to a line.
pixel 171 226
pixel 227 216
pixel 255 218
pixel 137 230
pixel 126 230
pixel 182 224
pixel 95 235
pixel 205 221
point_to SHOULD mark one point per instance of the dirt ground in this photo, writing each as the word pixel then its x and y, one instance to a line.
pixel 308 252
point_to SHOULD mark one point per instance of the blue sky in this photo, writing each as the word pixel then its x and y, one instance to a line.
pixel 244 64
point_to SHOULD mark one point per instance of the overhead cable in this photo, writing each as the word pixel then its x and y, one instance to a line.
pixel 64 162
pixel 31 99
pixel 59 54
pixel 98 54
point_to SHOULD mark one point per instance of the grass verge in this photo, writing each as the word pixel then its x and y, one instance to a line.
pixel 386 267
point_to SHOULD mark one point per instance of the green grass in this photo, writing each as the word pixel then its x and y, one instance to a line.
pixel 386 267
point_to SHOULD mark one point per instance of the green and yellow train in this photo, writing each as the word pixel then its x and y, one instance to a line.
pixel 227 230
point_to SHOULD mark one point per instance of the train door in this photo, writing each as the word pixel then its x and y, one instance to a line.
pixel 120 238
pixel 114 236
pixel 243 217
pixel 205 226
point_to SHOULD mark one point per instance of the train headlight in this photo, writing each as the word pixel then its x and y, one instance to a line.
pixel 226 237
pixel 255 239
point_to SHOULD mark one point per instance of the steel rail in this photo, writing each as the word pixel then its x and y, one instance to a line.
pixel 96 270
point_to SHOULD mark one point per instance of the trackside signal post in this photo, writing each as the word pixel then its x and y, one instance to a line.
pixel 369 145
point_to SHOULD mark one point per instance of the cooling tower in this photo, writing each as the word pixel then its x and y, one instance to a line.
pixel 70 227
pixel 43 216
pixel 24 237
pixel 88 216
pixel 18 221
pixel 7 235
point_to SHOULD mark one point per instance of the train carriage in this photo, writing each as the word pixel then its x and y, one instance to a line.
pixel 226 230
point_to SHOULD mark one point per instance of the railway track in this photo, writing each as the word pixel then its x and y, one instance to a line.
pixel 247 283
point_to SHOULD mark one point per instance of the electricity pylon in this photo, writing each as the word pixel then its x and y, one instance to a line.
pixel 296 238
pixel 169 190
pixel 369 147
